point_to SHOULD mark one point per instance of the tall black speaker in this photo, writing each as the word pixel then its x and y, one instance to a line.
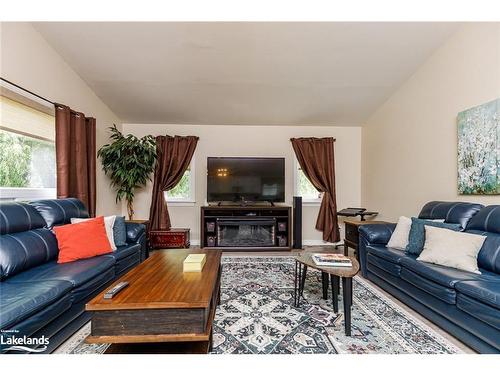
pixel 297 222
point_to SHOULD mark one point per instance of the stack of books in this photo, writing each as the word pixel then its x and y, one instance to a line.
pixel 331 260
pixel 194 263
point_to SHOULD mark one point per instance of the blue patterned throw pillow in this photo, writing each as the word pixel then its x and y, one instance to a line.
pixel 416 238
pixel 120 231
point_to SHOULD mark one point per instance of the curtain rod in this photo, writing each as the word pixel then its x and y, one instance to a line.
pixel 28 91
pixel 334 139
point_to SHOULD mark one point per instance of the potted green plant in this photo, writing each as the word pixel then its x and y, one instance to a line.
pixel 128 161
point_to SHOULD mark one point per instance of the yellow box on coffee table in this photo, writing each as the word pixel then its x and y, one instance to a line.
pixel 194 263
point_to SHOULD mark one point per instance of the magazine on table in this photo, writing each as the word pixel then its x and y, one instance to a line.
pixel 332 260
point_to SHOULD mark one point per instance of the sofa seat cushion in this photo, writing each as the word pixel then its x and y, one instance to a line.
pixel 88 289
pixel 387 266
pixel 42 321
pixel 21 300
pixel 486 291
pixel 484 312
pixel 373 270
pixel 122 252
pixel 445 294
pixel 125 264
pixel 387 253
pixel 77 273
pixel 442 275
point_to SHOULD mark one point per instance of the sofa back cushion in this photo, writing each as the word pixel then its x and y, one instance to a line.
pixel 487 223
pixel 451 212
pixel 24 242
pixel 19 217
pixel 60 211
pixel 24 250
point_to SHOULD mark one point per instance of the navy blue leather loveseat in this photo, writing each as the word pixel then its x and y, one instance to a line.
pixel 39 297
pixel 465 304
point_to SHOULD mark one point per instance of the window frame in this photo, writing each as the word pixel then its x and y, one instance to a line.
pixel 191 200
pixel 305 201
pixel 26 193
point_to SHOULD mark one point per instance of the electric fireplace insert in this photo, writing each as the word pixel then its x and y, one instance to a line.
pixel 247 232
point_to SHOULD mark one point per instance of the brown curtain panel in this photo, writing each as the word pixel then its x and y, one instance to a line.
pixel 173 157
pixel 76 156
pixel 316 158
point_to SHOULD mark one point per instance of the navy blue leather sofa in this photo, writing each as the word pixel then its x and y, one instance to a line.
pixel 37 295
pixel 465 304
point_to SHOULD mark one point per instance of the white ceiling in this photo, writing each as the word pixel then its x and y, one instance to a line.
pixel 245 73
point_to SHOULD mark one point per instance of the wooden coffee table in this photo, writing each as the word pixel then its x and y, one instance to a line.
pixel 304 260
pixel 162 304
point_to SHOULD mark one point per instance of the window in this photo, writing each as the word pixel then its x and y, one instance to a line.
pixel 304 188
pixel 183 192
pixel 27 152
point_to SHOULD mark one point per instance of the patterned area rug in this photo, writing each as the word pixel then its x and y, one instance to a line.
pixel 257 316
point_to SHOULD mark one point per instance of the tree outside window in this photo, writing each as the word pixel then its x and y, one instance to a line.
pixel 304 188
pixel 26 162
pixel 184 190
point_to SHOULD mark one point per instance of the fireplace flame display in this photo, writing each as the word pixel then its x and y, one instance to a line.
pixel 246 233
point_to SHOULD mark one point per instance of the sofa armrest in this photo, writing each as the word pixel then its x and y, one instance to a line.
pixel 372 234
pixel 134 232
pixel 377 233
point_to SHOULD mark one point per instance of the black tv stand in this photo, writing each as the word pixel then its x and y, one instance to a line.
pixel 246 228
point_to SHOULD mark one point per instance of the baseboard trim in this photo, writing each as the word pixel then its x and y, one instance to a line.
pixel 320 243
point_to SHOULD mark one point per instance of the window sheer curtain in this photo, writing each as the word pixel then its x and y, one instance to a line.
pixel 76 156
pixel 173 156
pixel 316 158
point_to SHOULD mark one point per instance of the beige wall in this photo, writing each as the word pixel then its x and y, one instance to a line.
pixel 409 148
pixel 29 61
pixel 273 141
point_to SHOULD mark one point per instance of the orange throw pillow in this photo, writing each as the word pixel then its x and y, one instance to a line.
pixel 83 240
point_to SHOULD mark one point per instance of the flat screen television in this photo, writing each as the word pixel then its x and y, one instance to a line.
pixel 245 179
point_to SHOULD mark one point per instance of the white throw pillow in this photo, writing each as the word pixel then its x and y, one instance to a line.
pixel 399 238
pixel 109 222
pixel 452 249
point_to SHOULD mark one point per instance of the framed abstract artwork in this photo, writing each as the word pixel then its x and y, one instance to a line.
pixel 479 149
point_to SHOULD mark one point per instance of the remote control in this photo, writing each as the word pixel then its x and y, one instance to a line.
pixel 115 290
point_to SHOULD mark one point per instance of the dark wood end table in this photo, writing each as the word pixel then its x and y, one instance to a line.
pixel 304 261
pixel 351 236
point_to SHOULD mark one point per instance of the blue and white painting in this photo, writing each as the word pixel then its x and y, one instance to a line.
pixel 479 149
